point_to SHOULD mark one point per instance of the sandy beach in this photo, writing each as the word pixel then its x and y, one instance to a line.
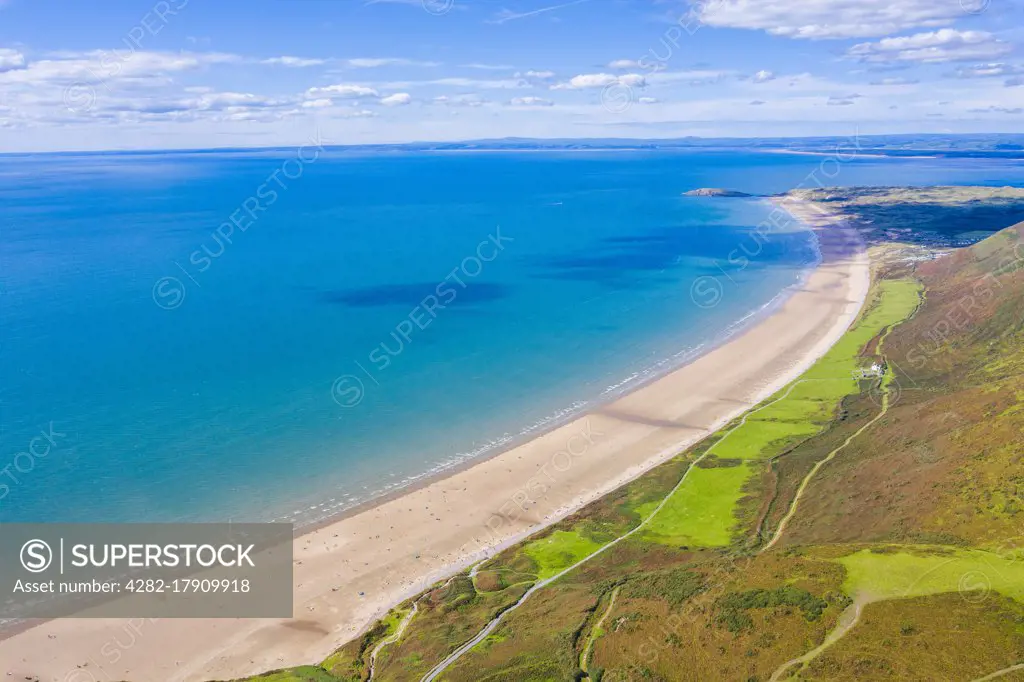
pixel 351 571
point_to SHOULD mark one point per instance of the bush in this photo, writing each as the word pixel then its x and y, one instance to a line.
pixel 674 587
pixel 734 606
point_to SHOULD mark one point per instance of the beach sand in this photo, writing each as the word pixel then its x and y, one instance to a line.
pixel 351 571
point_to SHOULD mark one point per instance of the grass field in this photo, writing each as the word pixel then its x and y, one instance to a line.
pixel 702 512
pixel 559 550
pixel 916 572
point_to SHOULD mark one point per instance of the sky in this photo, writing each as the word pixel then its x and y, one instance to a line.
pixel 139 74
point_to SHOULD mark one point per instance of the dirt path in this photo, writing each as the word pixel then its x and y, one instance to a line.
pixel 592 638
pixel 490 627
pixel 395 636
pixel 850 617
pixel 839 632
pixel 404 625
pixel 847 620
pixel 1000 673
pixel 810 475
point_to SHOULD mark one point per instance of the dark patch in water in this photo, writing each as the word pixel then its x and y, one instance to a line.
pixel 412 295
pixel 619 260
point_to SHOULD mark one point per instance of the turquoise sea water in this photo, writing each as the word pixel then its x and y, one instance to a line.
pixel 365 327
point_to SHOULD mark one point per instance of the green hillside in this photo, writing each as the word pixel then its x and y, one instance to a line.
pixel 845 529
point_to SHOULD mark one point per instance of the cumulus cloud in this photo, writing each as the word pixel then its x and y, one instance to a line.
pixel 539 75
pixel 830 19
pixel 895 81
pixel 488 84
pixel 945 45
pixel 107 66
pixel 763 76
pixel 293 62
pixel 624 64
pixel 398 99
pixel 465 100
pixel 601 80
pixel 530 102
pixel 342 91
pixel 10 60
pixel 648 100
pixel 990 70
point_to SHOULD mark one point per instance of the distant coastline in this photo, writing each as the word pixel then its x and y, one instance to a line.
pixel 974 145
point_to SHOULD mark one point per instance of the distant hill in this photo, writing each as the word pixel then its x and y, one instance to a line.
pixel 980 145
pixel 715 192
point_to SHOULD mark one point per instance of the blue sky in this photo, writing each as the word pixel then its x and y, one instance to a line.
pixel 206 73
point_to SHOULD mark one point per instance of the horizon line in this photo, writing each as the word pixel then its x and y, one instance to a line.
pixel 598 142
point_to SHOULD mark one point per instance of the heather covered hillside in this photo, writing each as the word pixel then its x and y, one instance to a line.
pixel 862 524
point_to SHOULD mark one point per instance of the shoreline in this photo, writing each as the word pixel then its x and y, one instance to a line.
pixel 497 497
pixel 560 418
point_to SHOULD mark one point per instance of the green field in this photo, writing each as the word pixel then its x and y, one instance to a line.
pixel 559 550
pixel 702 512
pixel 918 572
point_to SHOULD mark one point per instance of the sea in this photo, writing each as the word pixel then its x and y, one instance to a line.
pixel 257 335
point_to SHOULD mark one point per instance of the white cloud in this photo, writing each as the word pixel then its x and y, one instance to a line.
pixel 376 62
pixel 825 19
pixel 317 103
pixel 398 99
pixel 691 77
pixel 102 66
pixel 895 81
pixel 624 64
pixel 530 102
pixel 226 100
pixel 230 102
pixel 293 62
pixel 342 91
pixel 465 100
pixel 10 60
pixel 541 75
pixel 988 70
pixel 945 45
pixel 648 100
pixel 763 76
pixel 508 15
pixel 502 84
pixel 601 80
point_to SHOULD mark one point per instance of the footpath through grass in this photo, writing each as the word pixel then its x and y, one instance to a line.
pixel 702 513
